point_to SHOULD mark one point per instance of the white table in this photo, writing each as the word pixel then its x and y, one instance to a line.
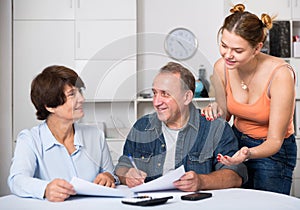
pixel 230 199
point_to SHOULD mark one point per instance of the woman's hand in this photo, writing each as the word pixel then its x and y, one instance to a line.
pixel 59 190
pixel 105 179
pixel 240 156
pixel 212 111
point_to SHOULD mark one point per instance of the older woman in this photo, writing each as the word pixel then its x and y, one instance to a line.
pixel 49 155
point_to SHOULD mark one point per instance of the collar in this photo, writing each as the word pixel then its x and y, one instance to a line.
pixel 49 141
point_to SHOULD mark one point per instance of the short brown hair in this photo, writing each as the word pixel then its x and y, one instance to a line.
pixel 47 88
pixel 186 76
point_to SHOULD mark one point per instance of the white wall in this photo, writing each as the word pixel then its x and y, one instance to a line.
pixel 157 18
pixel 5 93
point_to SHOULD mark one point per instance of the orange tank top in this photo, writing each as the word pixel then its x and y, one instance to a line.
pixel 248 118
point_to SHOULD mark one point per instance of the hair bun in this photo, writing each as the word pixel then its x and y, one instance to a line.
pixel 238 8
pixel 267 21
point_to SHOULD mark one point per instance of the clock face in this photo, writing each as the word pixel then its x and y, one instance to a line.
pixel 181 44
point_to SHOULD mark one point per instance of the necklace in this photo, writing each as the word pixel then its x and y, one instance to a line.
pixel 244 86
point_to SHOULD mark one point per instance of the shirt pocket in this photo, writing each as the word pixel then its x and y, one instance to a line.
pixel 148 162
pixel 142 156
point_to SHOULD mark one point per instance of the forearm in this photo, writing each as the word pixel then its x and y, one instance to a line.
pixel 224 178
pixel 266 149
pixel 27 186
pixel 121 173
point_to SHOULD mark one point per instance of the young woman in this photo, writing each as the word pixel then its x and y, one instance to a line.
pixel 258 90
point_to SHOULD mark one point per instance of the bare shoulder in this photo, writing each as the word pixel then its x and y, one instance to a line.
pixel 282 68
pixel 219 67
pixel 283 71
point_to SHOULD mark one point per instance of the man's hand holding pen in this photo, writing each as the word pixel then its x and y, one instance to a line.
pixel 134 176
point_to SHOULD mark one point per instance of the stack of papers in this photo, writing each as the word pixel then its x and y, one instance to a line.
pixel 83 187
pixel 165 182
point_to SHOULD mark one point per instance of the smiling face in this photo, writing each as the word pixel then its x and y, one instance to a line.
pixel 72 109
pixel 235 50
pixel 170 99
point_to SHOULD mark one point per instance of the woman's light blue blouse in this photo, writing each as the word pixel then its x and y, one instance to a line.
pixel 39 158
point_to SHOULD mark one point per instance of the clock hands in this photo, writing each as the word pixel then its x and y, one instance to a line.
pixel 180 43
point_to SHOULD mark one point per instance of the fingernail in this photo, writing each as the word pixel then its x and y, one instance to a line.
pixel 203 115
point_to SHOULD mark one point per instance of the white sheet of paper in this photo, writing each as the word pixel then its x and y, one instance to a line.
pixel 164 182
pixel 83 187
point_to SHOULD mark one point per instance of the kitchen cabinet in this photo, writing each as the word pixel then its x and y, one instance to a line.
pixel 105 56
pixel 105 39
pixel 106 10
pixel 295 5
pixel 109 80
pixel 43 9
pixel 37 44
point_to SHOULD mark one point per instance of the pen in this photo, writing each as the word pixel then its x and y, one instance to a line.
pixel 134 165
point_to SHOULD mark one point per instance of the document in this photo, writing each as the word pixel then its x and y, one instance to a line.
pixel 164 182
pixel 83 187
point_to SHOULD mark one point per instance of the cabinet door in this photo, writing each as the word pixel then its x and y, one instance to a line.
pixel 295 9
pixel 43 9
pixel 37 44
pixel 105 39
pixel 110 80
pixel 103 9
pixel 281 8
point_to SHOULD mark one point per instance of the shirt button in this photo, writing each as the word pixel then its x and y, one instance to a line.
pixel 143 157
pixel 158 164
pixel 163 145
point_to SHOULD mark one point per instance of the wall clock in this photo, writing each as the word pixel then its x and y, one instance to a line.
pixel 181 44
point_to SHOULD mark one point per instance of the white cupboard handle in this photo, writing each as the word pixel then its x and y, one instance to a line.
pixel 78 3
pixel 71 3
pixel 78 39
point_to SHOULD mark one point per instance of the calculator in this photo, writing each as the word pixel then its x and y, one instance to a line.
pixel 146 200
